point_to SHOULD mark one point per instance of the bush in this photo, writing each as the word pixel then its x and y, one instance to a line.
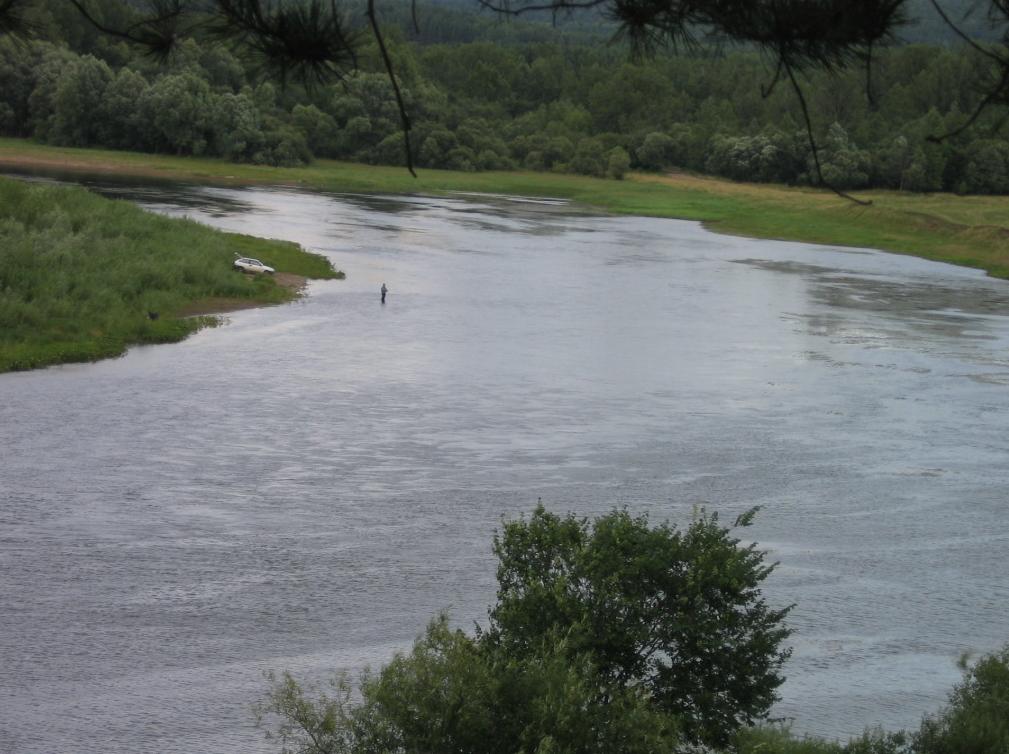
pixel 976 720
pixel 780 741
pixel 588 158
pixel 655 153
pixel 987 170
pixel 618 163
pixel 678 614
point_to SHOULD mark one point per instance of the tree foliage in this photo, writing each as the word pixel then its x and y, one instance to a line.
pixel 614 637
pixel 976 720
pixel 314 41
pixel 678 614
pixel 324 724
pixel 544 115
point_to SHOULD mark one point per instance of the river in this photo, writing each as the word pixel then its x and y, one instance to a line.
pixel 306 486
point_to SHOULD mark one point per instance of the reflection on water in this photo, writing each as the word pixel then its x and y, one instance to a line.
pixel 305 487
pixel 169 195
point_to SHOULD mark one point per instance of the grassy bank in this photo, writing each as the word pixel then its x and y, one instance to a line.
pixel 80 276
pixel 972 231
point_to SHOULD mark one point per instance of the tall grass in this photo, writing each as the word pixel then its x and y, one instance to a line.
pixel 81 276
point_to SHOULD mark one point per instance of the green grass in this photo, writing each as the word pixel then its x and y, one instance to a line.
pixel 971 231
pixel 284 256
pixel 80 274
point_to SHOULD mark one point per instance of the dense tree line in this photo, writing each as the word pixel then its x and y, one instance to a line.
pixel 198 105
pixel 561 105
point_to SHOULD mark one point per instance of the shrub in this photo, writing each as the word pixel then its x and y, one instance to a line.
pixel 976 720
pixel 618 163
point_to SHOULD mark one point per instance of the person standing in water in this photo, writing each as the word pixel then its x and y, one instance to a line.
pixel 384 291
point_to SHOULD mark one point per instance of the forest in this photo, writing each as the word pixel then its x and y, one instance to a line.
pixel 486 94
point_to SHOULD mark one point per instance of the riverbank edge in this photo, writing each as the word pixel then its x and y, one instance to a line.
pixel 969 231
pixel 189 314
pixel 295 285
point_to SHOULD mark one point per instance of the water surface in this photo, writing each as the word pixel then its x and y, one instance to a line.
pixel 305 487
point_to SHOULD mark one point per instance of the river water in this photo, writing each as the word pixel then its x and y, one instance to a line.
pixel 306 486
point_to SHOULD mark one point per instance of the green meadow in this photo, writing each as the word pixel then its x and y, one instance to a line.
pixel 83 278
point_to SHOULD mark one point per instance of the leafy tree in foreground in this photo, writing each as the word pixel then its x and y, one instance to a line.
pixel 325 725
pixel 678 614
pixel 610 637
